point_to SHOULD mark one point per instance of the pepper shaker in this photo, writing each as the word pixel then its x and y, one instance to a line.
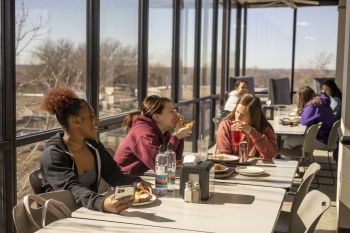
pixel 196 193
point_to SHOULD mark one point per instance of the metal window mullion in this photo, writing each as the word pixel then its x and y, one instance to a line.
pixel 176 51
pixel 8 189
pixel 293 54
pixel 93 53
pixel 142 71
pixel 244 40
pixel 197 66
pixel 213 67
pixel 238 41
pixel 225 50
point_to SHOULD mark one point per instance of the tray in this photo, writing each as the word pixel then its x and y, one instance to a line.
pixel 225 174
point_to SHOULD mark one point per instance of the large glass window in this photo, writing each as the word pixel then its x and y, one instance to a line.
pixel 160 47
pixel 206 47
pixel 219 50
pixel 118 56
pixel 187 112
pixel 269 45
pixel 113 138
pixel 28 160
pixel 50 52
pixel 316 45
pixel 187 37
pixel 232 54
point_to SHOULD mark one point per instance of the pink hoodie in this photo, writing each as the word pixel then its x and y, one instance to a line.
pixel 265 142
pixel 137 152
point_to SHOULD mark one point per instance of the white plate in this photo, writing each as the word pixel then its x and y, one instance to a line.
pixel 223 168
pixel 226 158
pixel 249 170
pixel 153 198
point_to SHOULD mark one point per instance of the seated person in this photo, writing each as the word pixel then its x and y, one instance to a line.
pixel 256 130
pixel 332 90
pixel 233 96
pixel 314 109
pixel 75 161
pixel 146 131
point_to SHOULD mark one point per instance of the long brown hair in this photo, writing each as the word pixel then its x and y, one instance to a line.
pixel 256 117
pixel 307 96
pixel 152 104
pixel 336 92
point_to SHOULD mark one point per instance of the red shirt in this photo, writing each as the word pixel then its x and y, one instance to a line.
pixel 137 152
pixel 265 142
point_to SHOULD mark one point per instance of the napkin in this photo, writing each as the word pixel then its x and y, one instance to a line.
pixel 191 160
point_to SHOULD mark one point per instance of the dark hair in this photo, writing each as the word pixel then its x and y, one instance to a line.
pixel 62 102
pixel 307 96
pixel 239 82
pixel 152 104
pixel 256 116
pixel 336 92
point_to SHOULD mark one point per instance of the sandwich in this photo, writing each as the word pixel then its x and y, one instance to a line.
pixel 142 196
pixel 187 124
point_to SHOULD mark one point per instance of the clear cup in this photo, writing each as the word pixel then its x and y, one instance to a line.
pixel 202 146
pixel 236 136
pixel 243 151
pixel 276 116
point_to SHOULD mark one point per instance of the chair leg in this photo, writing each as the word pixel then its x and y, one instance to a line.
pixel 331 170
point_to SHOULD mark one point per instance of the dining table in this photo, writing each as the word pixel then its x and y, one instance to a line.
pixel 231 208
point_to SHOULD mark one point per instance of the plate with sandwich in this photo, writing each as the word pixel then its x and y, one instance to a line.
pixel 143 197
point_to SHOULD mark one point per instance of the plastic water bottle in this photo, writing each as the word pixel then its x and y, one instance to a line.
pixel 161 172
pixel 171 167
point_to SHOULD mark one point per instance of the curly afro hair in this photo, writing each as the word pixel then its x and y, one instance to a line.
pixel 62 102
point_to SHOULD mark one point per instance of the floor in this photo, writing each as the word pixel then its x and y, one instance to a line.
pixel 327 223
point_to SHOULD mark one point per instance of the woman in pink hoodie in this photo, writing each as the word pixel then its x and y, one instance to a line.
pixel 146 131
pixel 256 130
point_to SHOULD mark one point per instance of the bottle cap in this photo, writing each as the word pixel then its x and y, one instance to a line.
pixel 161 148
pixel 188 184
pixel 170 146
pixel 196 185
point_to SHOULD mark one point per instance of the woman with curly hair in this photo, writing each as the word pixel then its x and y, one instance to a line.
pixel 248 117
pixel 146 131
pixel 75 161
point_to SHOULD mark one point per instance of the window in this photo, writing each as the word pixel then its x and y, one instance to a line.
pixel 187 37
pixel 187 113
pixel 315 53
pixel 269 45
pixel 232 54
pixel 113 138
pixel 50 52
pixel 118 56
pixel 219 50
pixel 160 47
pixel 28 160
pixel 206 47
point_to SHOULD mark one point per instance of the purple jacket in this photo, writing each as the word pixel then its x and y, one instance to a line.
pixel 137 152
pixel 321 113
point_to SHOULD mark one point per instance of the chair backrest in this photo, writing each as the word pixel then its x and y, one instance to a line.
pixel 249 80
pixel 23 223
pixel 309 142
pixel 303 190
pixel 279 91
pixel 333 136
pixel 110 151
pixel 36 181
pixel 310 211
pixel 318 83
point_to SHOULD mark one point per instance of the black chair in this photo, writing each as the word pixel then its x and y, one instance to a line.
pixel 249 80
pixel 279 91
pixel 36 181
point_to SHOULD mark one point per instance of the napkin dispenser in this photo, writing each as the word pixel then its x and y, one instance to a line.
pixel 268 112
pixel 203 173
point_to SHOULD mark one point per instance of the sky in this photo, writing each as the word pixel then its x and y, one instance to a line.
pixel 269 30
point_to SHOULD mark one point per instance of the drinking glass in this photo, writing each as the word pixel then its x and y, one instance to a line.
pixel 243 151
pixel 202 146
pixel 276 117
pixel 236 136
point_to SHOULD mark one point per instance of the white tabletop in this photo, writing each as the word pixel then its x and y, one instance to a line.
pixel 278 173
pixel 286 129
pixel 239 208
pixel 89 225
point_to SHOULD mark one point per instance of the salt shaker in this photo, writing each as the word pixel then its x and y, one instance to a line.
pixel 188 192
pixel 196 195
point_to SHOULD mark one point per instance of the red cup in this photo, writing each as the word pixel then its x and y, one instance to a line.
pixel 236 136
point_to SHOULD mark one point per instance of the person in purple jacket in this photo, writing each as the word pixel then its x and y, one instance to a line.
pixel 146 131
pixel 315 109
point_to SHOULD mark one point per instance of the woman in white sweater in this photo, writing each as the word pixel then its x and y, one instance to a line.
pixel 241 89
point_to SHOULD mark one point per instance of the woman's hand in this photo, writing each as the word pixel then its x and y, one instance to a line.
pixel 144 185
pixel 297 111
pixel 240 125
pixel 117 205
pixel 182 132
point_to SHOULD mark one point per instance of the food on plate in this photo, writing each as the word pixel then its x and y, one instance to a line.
pixel 217 167
pixel 217 156
pixel 142 196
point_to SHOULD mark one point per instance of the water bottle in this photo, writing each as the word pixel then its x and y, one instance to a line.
pixel 161 172
pixel 171 167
